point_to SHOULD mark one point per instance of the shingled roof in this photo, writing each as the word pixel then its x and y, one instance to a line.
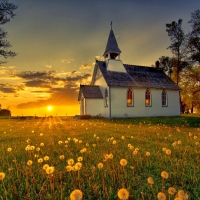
pixel 90 91
pixel 137 76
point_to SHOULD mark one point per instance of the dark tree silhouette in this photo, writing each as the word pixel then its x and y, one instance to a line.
pixel 6 12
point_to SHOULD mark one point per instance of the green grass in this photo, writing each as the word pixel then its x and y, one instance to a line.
pixel 102 139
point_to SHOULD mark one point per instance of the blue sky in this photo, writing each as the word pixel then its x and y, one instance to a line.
pixel 57 42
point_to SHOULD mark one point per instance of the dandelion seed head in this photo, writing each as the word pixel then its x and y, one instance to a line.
pixel 123 194
pixel 164 174
pixel 2 176
pixel 161 196
pixel 29 162
pixel 100 165
pixel 150 180
pixel 76 195
pixel 123 162
pixel 50 170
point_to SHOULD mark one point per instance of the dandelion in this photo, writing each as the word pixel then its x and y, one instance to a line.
pixel 179 142
pixel 80 159
pixel 46 158
pixel 50 170
pixel 110 156
pixel 40 160
pixel 70 162
pixel 41 144
pixel 87 144
pixel 114 142
pixel 196 143
pixel 123 162
pixel 68 168
pixel 2 176
pixel 168 151
pixel 66 141
pixel 60 142
pixel 9 149
pixel 29 162
pixel 190 134
pixel 94 145
pixel 41 134
pixel 38 149
pixel 100 165
pixel 32 148
pixel 28 140
pixel 150 180
pixel 147 153
pixel 164 149
pixel 164 174
pixel 171 190
pixel 76 195
pixel 122 137
pixel 161 196
pixel 182 195
pixel 78 165
pixel 123 194
pixel 195 137
pixel 45 166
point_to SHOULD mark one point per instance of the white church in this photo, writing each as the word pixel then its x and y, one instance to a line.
pixel 122 90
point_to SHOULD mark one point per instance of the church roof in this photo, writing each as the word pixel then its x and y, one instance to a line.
pixel 137 76
pixel 90 91
pixel 112 46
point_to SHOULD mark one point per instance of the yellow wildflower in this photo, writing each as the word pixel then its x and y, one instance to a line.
pixel 46 158
pixel 9 149
pixel 171 190
pixel 45 166
pixel 61 157
pixel 147 153
pixel 182 194
pixel 70 162
pixel 40 160
pixel 68 168
pixel 79 165
pixel 168 151
pixel 80 159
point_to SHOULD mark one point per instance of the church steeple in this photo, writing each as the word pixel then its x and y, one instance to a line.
pixel 112 49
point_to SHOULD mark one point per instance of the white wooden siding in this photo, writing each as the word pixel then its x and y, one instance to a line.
pixel 119 107
pixel 93 107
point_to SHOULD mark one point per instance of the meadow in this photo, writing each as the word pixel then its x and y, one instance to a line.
pixel 65 158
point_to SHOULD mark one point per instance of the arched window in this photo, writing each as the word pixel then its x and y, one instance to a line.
pixel 148 98
pixel 106 97
pixel 129 99
pixel 164 98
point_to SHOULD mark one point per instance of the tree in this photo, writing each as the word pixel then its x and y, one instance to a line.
pixel 193 44
pixel 177 46
pixel 190 85
pixel 6 12
pixel 5 112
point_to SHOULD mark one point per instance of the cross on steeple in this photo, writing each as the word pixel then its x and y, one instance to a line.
pixel 111 25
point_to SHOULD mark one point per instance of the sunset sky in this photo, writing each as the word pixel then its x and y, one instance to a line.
pixel 57 42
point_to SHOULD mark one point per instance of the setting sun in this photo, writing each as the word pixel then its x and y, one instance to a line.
pixel 49 108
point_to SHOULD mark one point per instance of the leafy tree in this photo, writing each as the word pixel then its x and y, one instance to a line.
pixel 5 112
pixel 190 85
pixel 177 46
pixel 193 43
pixel 6 12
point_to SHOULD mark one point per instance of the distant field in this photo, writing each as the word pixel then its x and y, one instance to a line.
pixel 152 158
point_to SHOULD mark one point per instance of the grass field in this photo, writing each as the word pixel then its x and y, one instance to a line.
pixel 51 158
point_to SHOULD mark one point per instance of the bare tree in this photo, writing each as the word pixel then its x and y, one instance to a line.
pixel 6 13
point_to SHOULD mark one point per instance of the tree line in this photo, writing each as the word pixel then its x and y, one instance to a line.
pixel 184 65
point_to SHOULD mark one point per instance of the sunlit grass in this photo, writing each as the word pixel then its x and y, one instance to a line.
pixel 53 158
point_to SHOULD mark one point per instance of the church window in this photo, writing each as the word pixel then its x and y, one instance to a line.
pixel 129 97
pixel 106 97
pixel 164 98
pixel 148 98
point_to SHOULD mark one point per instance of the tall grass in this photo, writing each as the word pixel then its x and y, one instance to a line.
pixel 49 158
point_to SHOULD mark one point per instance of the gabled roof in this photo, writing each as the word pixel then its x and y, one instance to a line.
pixel 90 91
pixel 112 46
pixel 137 76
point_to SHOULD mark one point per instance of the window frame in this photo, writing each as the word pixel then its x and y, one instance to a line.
pixel 106 98
pixel 164 98
pixel 149 98
pixel 129 93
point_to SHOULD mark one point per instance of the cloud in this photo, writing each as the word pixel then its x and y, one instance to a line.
pixel 7 88
pixel 87 66
pixel 38 83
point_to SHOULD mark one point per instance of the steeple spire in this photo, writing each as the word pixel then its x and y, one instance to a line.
pixel 112 48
